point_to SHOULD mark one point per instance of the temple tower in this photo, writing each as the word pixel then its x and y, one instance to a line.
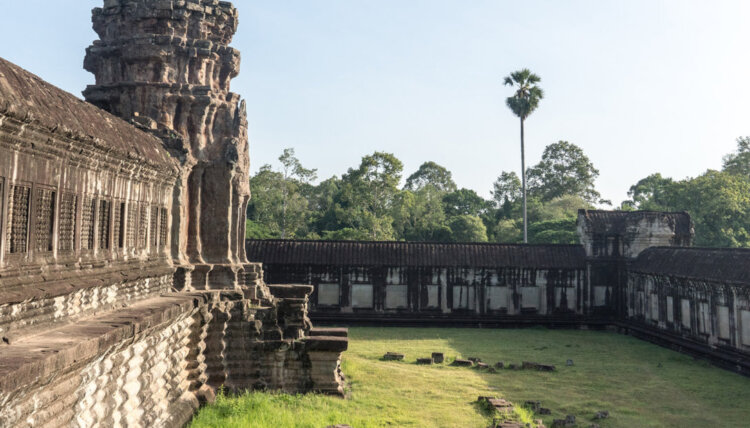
pixel 166 65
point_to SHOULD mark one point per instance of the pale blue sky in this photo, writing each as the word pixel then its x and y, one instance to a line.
pixel 641 85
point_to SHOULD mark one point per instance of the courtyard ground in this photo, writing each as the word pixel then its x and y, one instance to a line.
pixel 640 384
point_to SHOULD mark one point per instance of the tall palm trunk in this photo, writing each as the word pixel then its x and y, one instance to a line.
pixel 523 187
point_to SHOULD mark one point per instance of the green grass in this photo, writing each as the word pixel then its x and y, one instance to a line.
pixel 611 372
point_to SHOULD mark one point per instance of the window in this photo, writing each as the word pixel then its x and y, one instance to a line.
pixel 328 294
pixel 154 227
pixel 362 296
pixel 119 226
pixel 2 204
pixel 87 223
pixel 463 297
pixel 143 228
pixel 67 227
pixel 131 226
pixel 396 296
pixel 497 298
pixel 163 227
pixel 45 220
pixel 104 223
pixel 18 219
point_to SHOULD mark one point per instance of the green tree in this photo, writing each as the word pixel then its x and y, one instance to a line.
pixel 739 163
pixel 653 193
pixel 294 209
pixel 419 216
pixel 564 170
pixel 717 201
pixel 464 202
pixel 431 174
pixel 507 188
pixel 467 228
pixel 557 231
pixel 508 231
pixel 719 204
pixel 367 195
pixel 523 102
pixel 278 207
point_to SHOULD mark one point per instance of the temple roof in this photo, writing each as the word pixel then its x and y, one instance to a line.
pixel 27 97
pixel 617 222
pixel 714 264
pixel 358 253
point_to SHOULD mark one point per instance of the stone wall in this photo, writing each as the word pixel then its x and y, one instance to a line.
pixel 698 299
pixel 126 297
pixel 692 300
pixel 434 281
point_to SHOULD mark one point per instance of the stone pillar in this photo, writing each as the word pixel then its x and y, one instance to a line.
pixel 166 65
pixel 324 353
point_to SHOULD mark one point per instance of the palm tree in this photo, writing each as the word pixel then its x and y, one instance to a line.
pixel 522 104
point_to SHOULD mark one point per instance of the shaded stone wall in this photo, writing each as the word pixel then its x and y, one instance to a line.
pixel 697 298
pixel 434 281
pixel 440 291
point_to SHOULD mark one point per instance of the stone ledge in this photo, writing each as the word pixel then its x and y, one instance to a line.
pixel 291 291
pixel 45 356
pixel 326 343
pixel 331 332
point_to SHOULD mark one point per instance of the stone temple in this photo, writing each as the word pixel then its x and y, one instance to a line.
pixel 127 292
pixel 126 297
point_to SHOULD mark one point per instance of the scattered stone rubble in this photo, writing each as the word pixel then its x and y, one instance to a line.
pixel 504 415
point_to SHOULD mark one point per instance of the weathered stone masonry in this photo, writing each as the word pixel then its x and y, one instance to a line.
pixel 126 298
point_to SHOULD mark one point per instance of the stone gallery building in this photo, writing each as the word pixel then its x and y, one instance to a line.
pixel 633 271
pixel 126 297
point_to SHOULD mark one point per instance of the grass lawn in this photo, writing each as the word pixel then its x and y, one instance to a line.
pixel 640 384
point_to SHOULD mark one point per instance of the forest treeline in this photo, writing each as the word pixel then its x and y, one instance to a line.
pixel 373 201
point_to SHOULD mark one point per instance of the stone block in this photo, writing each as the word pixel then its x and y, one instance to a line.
pixel 462 363
pixel 438 357
pixel 393 356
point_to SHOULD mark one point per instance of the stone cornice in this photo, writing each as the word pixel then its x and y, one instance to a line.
pixel 28 136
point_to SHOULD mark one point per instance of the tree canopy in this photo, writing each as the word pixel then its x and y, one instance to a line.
pixel 528 94
pixel 366 203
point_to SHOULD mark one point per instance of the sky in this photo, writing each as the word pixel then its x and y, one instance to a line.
pixel 642 86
